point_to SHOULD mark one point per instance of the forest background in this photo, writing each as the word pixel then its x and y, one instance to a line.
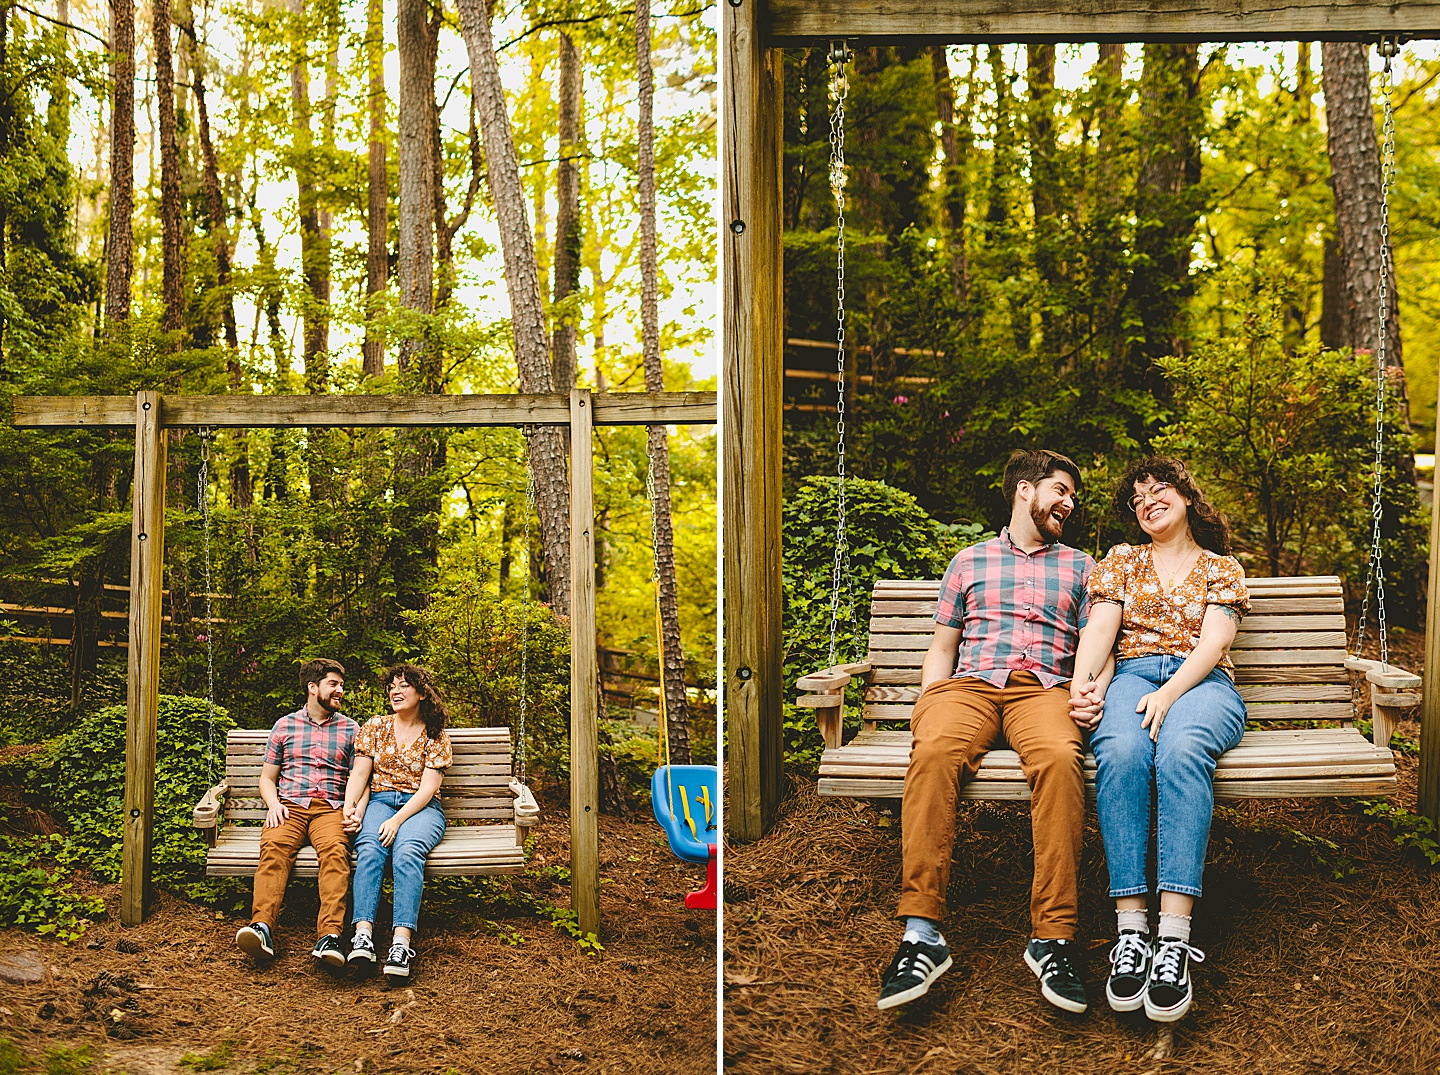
pixel 1107 251
pixel 320 205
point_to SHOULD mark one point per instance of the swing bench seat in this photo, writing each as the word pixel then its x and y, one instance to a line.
pixel 488 814
pixel 1291 669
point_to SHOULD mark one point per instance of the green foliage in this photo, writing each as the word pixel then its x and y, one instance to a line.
pixel 1398 740
pixel 568 923
pixel 890 537
pixel 216 1059
pixel 86 784
pixel 1411 830
pixel 36 892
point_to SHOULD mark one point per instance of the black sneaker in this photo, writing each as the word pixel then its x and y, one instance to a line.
pixel 1053 962
pixel 915 966
pixel 1170 991
pixel 397 963
pixel 329 950
pixel 1130 961
pixel 362 949
pixel 255 941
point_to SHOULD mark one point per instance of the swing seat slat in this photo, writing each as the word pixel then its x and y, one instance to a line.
pixel 1291 668
pixel 479 787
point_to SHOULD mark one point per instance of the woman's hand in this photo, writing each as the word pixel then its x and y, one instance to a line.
pixel 1155 705
pixel 1087 703
pixel 354 815
pixel 388 829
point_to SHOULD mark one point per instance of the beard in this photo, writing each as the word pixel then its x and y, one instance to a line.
pixel 1050 528
pixel 329 702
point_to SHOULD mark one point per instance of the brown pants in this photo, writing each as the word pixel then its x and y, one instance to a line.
pixel 322 825
pixel 955 722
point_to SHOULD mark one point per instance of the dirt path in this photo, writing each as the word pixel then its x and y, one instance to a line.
pixel 174 995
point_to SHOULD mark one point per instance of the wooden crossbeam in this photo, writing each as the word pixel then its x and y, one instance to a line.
pixel 255 412
pixel 870 22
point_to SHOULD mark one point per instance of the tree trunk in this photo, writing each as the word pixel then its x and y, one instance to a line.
pixel 314 248
pixel 522 280
pixel 956 144
pixel 1044 185
pixel 172 238
pixel 672 653
pixel 377 260
pixel 417 194
pixel 119 245
pixel 1334 301
pixel 568 236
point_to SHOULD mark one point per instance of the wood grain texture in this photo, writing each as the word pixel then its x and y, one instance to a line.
pixel 584 674
pixel 1428 789
pixel 915 22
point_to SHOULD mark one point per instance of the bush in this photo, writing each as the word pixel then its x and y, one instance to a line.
pixel 34 891
pixel 890 537
pixel 86 786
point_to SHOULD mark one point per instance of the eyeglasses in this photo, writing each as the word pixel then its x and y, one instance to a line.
pixel 1155 492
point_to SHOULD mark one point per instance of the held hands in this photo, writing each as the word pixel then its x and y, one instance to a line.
pixel 1155 705
pixel 388 828
pixel 354 814
pixel 1087 704
pixel 277 816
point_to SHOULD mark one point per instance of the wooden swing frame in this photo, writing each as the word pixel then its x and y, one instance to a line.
pixel 150 414
pixel 753 35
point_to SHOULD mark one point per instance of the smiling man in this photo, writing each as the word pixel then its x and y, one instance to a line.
pixel 1006 628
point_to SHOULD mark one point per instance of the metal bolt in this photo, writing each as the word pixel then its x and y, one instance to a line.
pixel 738 227
pixel 744 673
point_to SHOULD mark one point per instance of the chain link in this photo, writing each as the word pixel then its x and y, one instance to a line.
pixel 840 91
pixel 202 495
pixel 1375 571
pixel 520 741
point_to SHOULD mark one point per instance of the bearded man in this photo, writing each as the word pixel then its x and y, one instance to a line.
pixel 1006 628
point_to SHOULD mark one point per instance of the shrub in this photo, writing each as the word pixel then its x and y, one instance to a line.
pixel 890 537
pixel 34 891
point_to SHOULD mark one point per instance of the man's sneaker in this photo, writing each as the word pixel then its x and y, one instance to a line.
pixel 329 950
pixel 1130 961
pixel 1170 991
pixel 1053 962
pixel 254 940
pixel 397 963
pixel 362 950
pixel 915 966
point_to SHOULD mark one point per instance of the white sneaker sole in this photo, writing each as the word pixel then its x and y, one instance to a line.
pixel 1048 993
pixel 906 996
pixel 1157 1014
pixel 397 972
pixel 1121 1004
pixel 361 957
pixel 253 945
pixel 330 959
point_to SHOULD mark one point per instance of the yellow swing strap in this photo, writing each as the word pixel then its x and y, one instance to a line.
pixel 704 799
pixel 685 805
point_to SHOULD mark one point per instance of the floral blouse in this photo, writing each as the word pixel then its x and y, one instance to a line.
pixel 1154 622
pixel 399 768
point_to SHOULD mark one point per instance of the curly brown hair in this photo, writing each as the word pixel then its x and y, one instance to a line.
pixel 1209 528
pixel 432 700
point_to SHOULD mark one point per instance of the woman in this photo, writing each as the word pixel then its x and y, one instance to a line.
pixel 400 760
pixel 1170 711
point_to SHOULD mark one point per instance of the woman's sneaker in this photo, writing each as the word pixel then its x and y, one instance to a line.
pixel 1053 962
pixel 362 950
pixel 397 963
pixel 1170 990
pixel 1130 961
pixel 254 940
pixel 915 966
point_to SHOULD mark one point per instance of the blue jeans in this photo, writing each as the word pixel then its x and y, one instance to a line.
pixel 1170 781
pixel 417 837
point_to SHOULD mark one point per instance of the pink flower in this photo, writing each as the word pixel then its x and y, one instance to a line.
pixel 901 400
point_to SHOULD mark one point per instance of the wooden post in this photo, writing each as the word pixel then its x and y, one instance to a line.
pixel 752 326
pixel 584 690
pixel 142 695
pixel 1429 777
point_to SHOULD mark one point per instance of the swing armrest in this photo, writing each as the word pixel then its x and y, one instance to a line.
pixel 1392 690
pixel 824 692
pixel 527 809
pixel 207 811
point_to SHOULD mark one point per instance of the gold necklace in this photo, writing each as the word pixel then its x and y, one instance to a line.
pixel 1169 580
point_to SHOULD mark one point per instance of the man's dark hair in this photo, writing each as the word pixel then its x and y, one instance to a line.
pixel 1035 467
pixel 316 670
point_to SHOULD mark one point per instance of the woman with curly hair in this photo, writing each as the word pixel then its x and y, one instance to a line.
pixel 1168 608
pixel 400 760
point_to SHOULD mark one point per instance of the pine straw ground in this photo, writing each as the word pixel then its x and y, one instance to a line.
pixel 1305 971
pixel 189 1001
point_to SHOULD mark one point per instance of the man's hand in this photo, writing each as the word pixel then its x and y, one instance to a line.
pixel 388 828
pixel 354 815
pixel 1155 706
pixel 277 816
pixel 1087 704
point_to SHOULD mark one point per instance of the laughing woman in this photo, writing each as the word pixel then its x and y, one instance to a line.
pixel 1174 604
pixel 400 760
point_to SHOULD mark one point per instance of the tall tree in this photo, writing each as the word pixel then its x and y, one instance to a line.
pixel 522 280
pixel 955 142
pixel 1044 184
pixel 567 213
pixel 119 245
pixel 416 48
pixel 171 224
pixel 377 217
pixel 314 240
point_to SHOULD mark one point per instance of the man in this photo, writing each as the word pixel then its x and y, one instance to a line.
pixel 307 762
pixel 1006 627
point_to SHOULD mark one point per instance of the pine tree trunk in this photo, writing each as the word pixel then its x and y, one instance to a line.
pixel 172 237
pixel 1044 186
pixel 377 260
pixel 417 194
pixel 120 243
pixel 522 280
pixel 672 670
pixel 314 248
pixel 568 234
pixel 955 148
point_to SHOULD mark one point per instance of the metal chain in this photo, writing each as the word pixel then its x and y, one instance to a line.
pixel 203 496
pixel 1375 573
pixel 840 90
pixel 525 610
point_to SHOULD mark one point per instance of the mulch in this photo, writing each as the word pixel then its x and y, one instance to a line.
pixel 144 999
pixel 1319 959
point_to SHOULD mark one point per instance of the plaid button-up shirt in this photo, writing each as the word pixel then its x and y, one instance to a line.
pixel 1017 611
pixel 315 758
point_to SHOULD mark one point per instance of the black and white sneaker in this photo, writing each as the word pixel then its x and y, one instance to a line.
pixel 362 950
pixel 1170 990
pixel 255 941
pixel 1053 962
pixel 915 966
pixel 397 963
pixel 1130 961
pixel 329 950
